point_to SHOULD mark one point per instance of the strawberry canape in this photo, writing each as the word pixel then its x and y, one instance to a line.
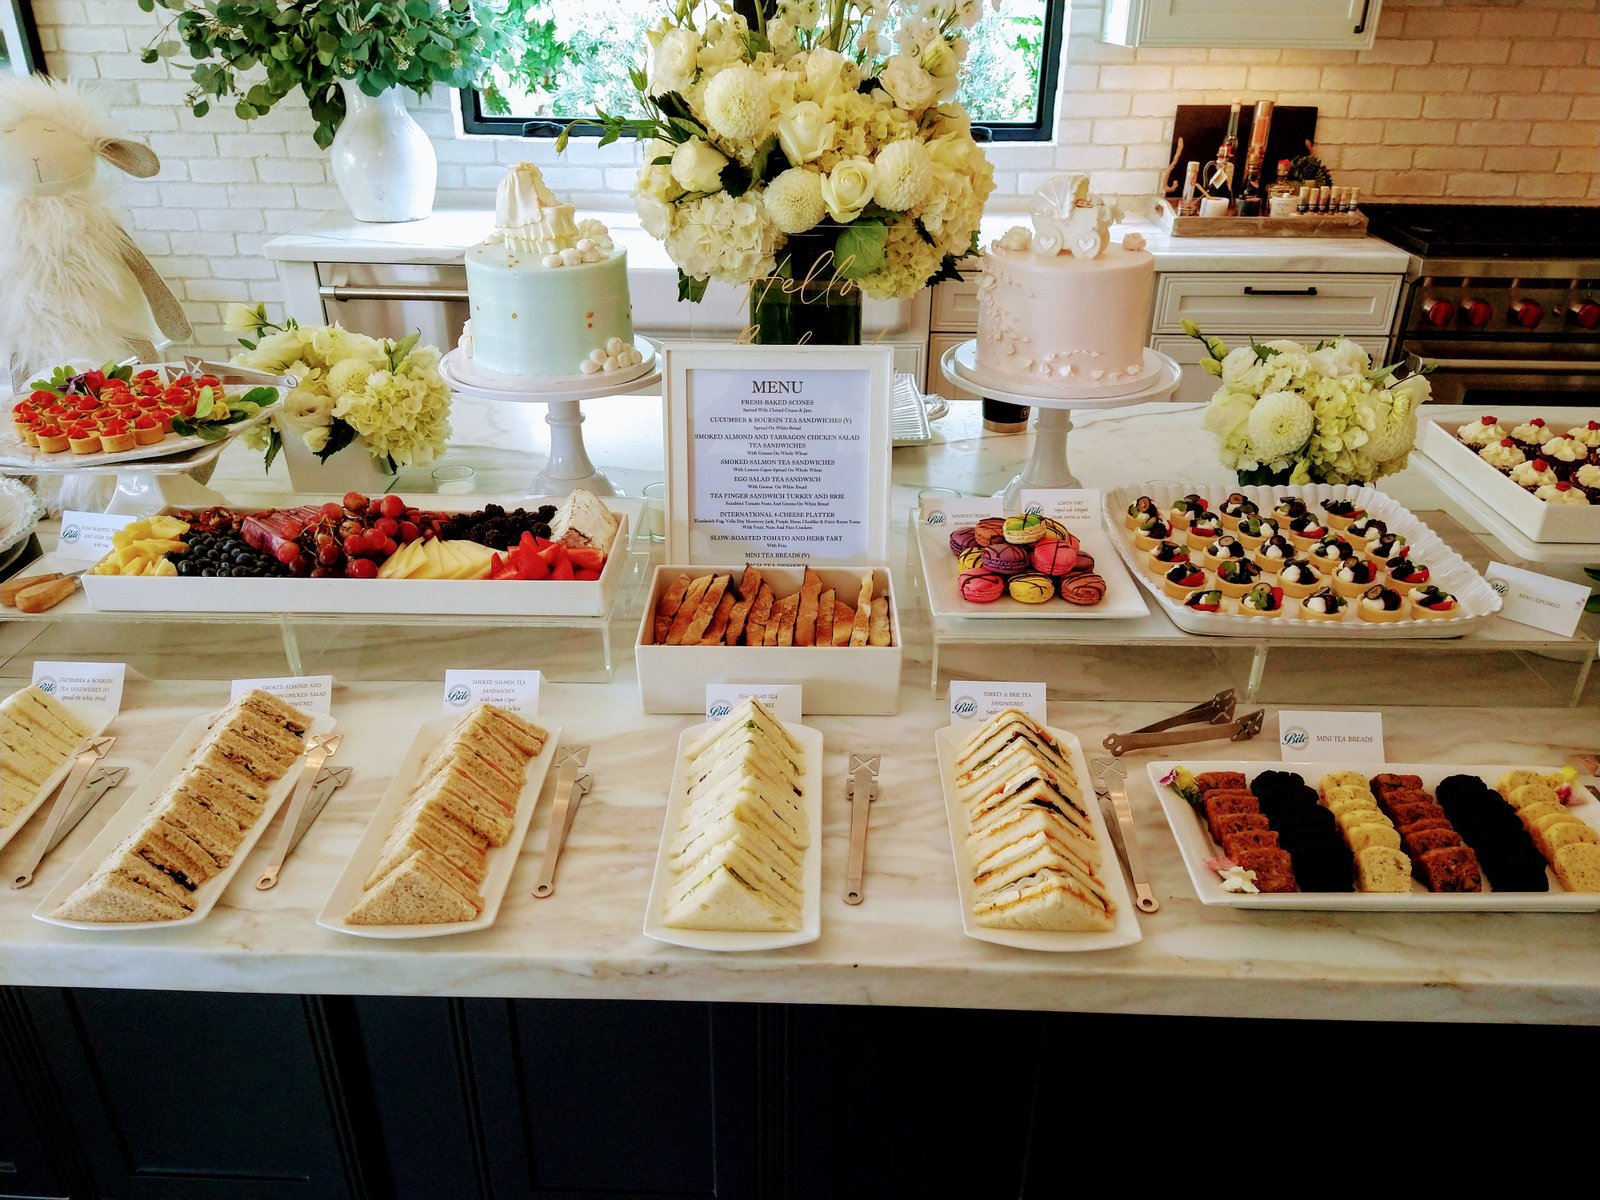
pixel 164 415
pixel 83 437
pixel 147 430
pixel 116 436
pixel 52 439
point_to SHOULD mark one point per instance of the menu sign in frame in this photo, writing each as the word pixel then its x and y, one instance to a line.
pixel 777 454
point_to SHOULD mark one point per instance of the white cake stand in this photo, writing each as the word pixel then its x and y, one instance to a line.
pixel 569 466
pixel 1048 467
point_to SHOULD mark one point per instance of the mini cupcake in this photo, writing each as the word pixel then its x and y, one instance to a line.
pixel 1237 505
pixel 1024 529
pixel 1138 510
pixel 1354 576
pixel 147 430
pixel 1032 588
pixel 1150 531
pixel 52 438
pixel 1364 529
pixel 1262 601
pixel 1530 435
pixel 1004 559
pixel 1430 604
pixel 1327 554
pixel 1255 529
pixel 1480 432
pixel 1533 474
pixel 1299 579
pixel 1386 546
pixel 1274 552
pixel 1165 556
pixel 1404 571
pixel 1502 455
pixel 1305 530
pixel 1589 435
pixel 116 436
pixel 1381 605
pixel 1204 600
pixel 1055 557
pixel 981 587
pixel 989 530
pixel 1288 508
pixel 1237 576
pixel 83 438
pixel 961 540
pixel 1204 528
pixel 1588 479
pixel 1565 455
pixel 1562 493
pixel 971 559
pixel 1222 549
pixel 1338 514
pixel 1324 604
pixel 1182 509
pixel 1181 579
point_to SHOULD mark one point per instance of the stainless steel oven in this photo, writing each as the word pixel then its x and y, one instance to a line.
pixel 396 299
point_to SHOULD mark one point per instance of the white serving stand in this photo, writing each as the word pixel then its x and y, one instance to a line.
pixel 149 485
pixel 569 466
pixel 1048 467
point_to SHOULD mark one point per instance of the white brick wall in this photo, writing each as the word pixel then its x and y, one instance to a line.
pixel 1458 99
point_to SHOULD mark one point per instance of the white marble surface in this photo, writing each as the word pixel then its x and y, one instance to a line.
pixel 904 945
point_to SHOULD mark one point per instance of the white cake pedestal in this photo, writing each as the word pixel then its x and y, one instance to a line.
pixel 1047 466
pixel 569 467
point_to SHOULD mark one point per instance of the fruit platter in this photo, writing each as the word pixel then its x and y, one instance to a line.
pixel 559 557
pixel 118 413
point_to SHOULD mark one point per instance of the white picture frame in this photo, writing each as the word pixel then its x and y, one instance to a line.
pixel 867 372
pixel 19 39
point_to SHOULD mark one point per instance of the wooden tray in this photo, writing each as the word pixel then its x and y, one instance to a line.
pixel 1342 225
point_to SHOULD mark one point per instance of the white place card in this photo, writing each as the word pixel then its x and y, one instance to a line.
pixel 1314 736
pixel 1529 598
pixel 978 700
pixel 84 687
pixel 782 698
pixel 1070 506
pixel 952 512
pixel 88 535
pixel 516 691
pixel 309 693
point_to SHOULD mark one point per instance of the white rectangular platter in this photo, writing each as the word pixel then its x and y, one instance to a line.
pixel 98 721
pixel 948 742
pixel 1538 520
pixel 811 866
pixel 1195 844
pixel 943 573
pixel 1448 569
pixel 502 859
pixel 133 812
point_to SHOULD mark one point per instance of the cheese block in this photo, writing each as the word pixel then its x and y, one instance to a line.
pixel 583 521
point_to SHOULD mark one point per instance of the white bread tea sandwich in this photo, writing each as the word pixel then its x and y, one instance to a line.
pixel 37 735
pixel 463 802
pixel 737 853
pixel 1031 844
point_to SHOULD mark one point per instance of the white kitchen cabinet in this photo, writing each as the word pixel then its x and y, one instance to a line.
pixel 1317 304
pixel 1277 24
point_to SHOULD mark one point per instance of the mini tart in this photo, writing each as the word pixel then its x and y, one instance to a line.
pixel 1255 529
pixel 1182 579
pixel 1223 548
pixel 1381 605
pixel 1236 506
pixel 1024 529
pixel 83 439
pixel 1562 492
pixel 1324 604
pixel 1387 546
pixel 1182 509
pixel 1403 570
pixel 24 429
pixel 1363 529
pixel 1327 554
pixel 1138 510
pixel 1305 530
pixel 1288 508
pixel 116 436
pixel 147 430
pixel 1150 532
pixel 1340 513
pixel 1274 552
pixel 1204 600
pixel 1164 556
pixel 1430 604
pixel 1299 579
pixel 1363 574
pixel 52 438
pixel 1262 601
pixel 1237 576
pixel 1480 432
pixel 1204 528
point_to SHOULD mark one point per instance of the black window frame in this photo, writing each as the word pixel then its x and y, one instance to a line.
pixel 29 54
pixel 478 123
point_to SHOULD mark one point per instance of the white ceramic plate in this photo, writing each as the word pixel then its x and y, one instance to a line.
pixel 461 372
pixel 1160 374
pixel 811 866
pixel 948 742
pixel 943 573
pixel 133 812
pixel 1448 569
pixel 98 721
pixel 1195 844
pixel 502 859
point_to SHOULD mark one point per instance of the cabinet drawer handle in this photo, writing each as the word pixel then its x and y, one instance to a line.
pixel 1361 26
pixel 343 293
pixel 1254 291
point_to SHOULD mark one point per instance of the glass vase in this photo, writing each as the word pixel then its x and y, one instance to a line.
pixel 805 302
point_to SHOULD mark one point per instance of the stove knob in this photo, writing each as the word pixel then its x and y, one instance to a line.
pixel 1586 313
pixel 1440 312
pixel 1527 313
pixel 1476 313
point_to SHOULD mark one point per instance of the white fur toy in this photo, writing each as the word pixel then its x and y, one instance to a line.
pixel 76 286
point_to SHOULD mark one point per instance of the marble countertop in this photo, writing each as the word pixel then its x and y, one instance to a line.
pixel 904 945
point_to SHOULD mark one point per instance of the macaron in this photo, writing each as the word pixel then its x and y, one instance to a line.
pixel 971 558
pixel 989 530
pixel 1055 558
pixel 963 539
pixel 1055 529
pixel 981 587
pixel 1024 529
pixel 1005 558
pixel 1083 588
pixel 1032 588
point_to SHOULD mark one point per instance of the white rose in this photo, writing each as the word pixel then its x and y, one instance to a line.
pixel 847 189
pixel 1018 237
pixel 672 62
pixel 911 88
pixel 697 166
pixel 1340 360
pixel 1241 368
pixel 938 59
pixel 804 133
pixel 652 197
pixel 828 71
pixel 241 318
pixel 779 34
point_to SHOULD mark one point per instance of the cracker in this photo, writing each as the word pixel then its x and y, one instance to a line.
pixel 718 628
pixel 749 586
pixel 825 611
pixel 686 610
pixel 706 610
pixel 788 612
pixel 860 627
pixel 843 618
pixel 760 613
pixel 667 606
pixel 805 621
pixel 878 632
pixel 770 636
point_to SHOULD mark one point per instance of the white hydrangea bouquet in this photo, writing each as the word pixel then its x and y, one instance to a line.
pixel 1288 414
pixel 385 396
pixel 772 118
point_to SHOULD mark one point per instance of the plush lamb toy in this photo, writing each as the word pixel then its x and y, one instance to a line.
pixel 76 287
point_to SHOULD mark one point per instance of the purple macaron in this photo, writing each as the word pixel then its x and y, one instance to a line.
pixel 962 539
pixel 1004 558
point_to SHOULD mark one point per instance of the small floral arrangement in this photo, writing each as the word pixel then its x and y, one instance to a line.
pixel 774 118
pixel 386 396
pixel 1286 414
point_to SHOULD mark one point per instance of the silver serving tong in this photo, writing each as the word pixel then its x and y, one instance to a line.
pixel 329 780
pixel 861 789
pixel 1214 719
pixel 1111 785
pixel 229 373
pixel 571 786
pixel 90 753
pixel 318 748
pixel 101 780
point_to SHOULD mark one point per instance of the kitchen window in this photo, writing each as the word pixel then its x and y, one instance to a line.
pixel 19 40
pixel 581 52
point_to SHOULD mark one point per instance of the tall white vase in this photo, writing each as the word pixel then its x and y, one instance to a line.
pixel 349 470
pixel 382 160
